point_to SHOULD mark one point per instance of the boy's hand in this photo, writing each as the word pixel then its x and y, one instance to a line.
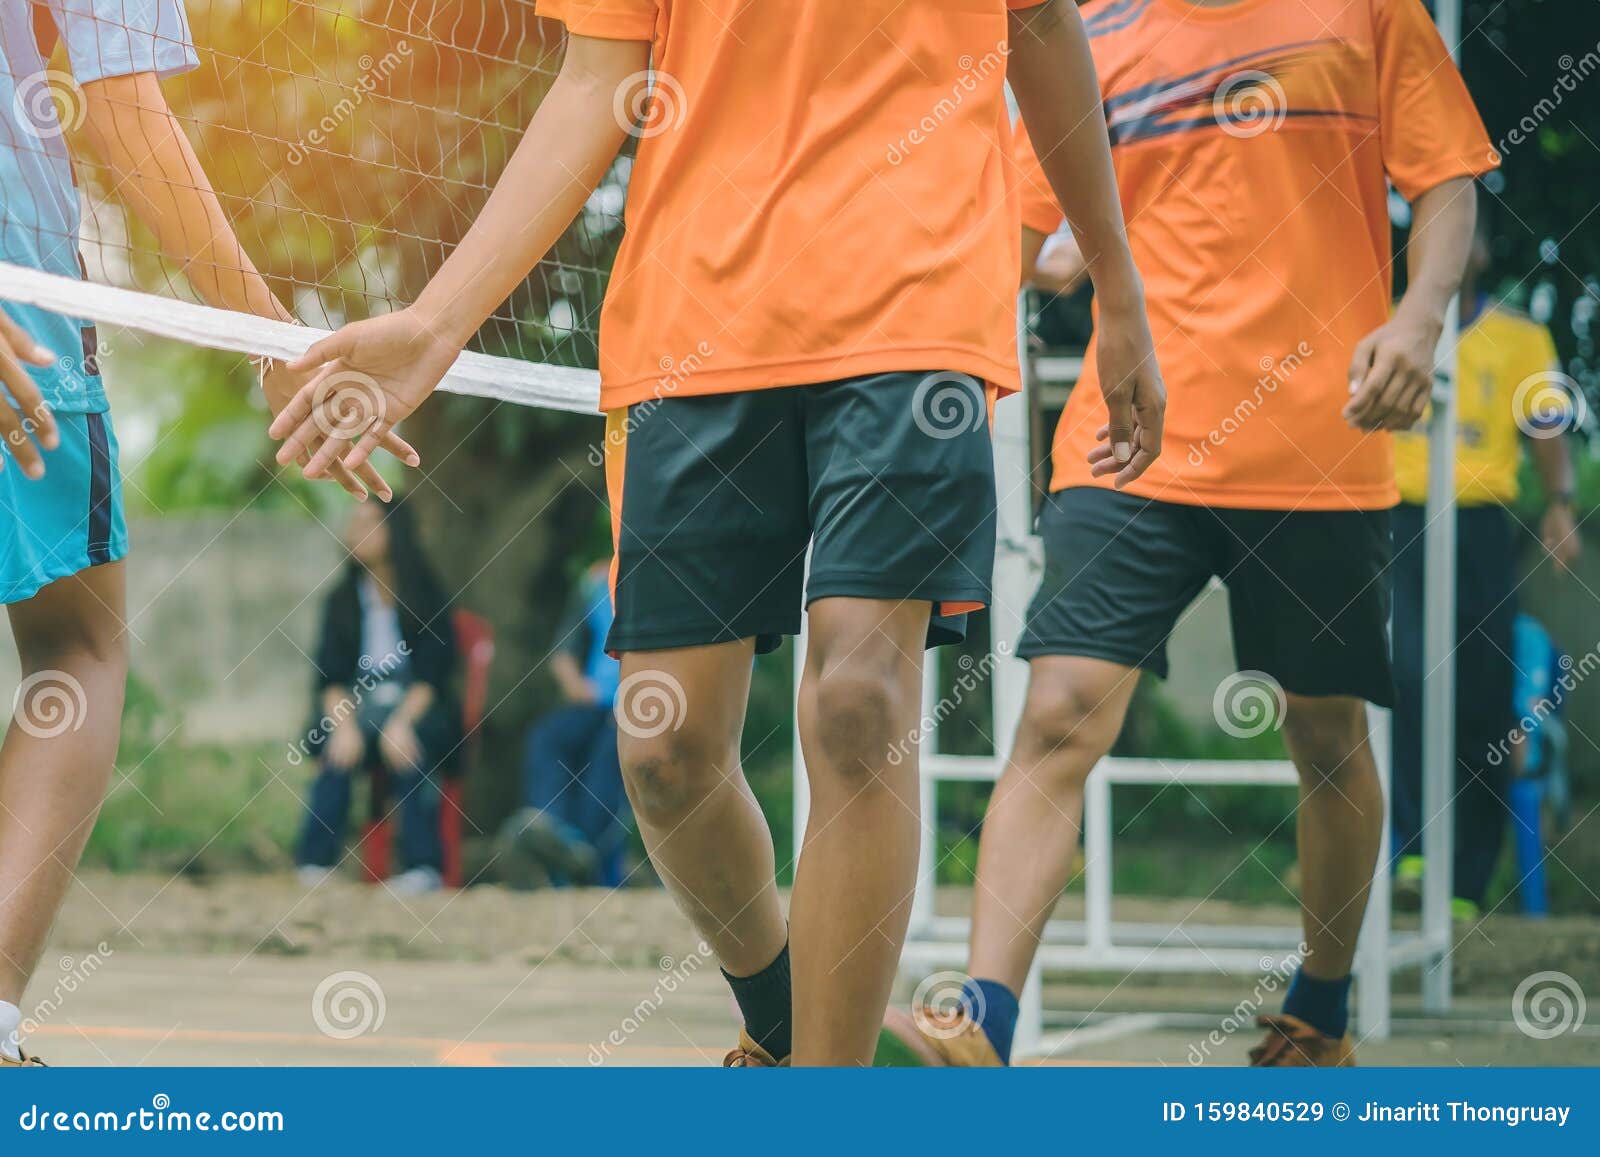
pixel 346 745
pixel 365 378
pixel 279 385
pixel 1559 533
pixel 402 751
pixel 1136 401
pixel 23 415
pixel 1391 374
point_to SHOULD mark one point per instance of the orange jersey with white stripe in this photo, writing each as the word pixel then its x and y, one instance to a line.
pixel 822 190
pixel 1252 142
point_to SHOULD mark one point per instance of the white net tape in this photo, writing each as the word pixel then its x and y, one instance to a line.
pixel 348 145
pixel 504 379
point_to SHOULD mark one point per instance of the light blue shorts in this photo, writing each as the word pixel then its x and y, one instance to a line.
pixel 70 519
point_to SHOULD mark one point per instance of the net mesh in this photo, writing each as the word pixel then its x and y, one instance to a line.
pixel 350 144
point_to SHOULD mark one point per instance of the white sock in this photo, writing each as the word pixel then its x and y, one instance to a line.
pixel 10 1021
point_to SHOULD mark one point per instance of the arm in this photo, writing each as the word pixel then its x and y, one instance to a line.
pixel 1052 74
pixel 1032 243
pixel 155 169
pixel 570 143
pixel 1391 372
pixel 134 132
pixel 23 416
pixel 1055 264
pixel 575 686
pixel 1559 529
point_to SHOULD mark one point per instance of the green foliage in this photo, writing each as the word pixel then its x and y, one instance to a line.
pixel 210 450
pixel 174 807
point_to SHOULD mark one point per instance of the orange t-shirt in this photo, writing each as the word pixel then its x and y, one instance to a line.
pixel 821 190
pixel 1251 144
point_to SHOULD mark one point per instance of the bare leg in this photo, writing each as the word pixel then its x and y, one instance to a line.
pixel 58 753
pixel 1339 825
pixel 678 725
pixel 860 696
pixel 1074 710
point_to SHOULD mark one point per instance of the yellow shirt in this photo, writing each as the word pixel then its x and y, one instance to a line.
pixel 1504 362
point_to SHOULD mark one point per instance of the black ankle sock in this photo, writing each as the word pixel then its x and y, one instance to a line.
pixel 766 1002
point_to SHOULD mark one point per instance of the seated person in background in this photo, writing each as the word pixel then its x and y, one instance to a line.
pixel 573 826
pixel 386 665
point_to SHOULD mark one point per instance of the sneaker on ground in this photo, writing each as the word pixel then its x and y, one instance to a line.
pixel 416 881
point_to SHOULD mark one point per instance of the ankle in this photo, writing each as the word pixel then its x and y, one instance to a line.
pixel 994 1007
pixel 1322 1003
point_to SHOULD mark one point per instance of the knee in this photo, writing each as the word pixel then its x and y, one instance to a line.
pixel 667 776
pixel 1065 731
pixel 1324 736
pixel 861 712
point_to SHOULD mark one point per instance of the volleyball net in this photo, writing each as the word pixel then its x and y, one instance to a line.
pixel 349 145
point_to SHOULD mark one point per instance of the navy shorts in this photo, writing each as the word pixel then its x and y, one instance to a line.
pixel 1308 590
pixel 887 478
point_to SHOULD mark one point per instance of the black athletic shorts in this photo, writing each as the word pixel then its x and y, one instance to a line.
pixel 888 478
pixel 1308 590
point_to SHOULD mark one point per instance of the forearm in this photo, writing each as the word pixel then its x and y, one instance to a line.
pixel 1032 243
pixel 570 143
pixel 334 700
pixel 568 676
pixel 1552 458
pixel 156 171
pixel 1059 267
pixel 1053 76
pixel 1443 219
pixel 419 697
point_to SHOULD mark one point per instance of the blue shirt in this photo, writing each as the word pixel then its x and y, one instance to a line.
pixel 603 671
pixel 1539 665
pixel 38 201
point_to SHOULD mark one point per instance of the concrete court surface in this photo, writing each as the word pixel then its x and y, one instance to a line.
pixel 142 1010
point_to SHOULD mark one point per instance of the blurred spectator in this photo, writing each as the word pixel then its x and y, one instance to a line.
pixel 385 669
pixel 1508 396
pixel 1539 755
pixel 573 826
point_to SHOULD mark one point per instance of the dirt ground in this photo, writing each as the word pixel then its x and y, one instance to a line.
pixel 257 970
